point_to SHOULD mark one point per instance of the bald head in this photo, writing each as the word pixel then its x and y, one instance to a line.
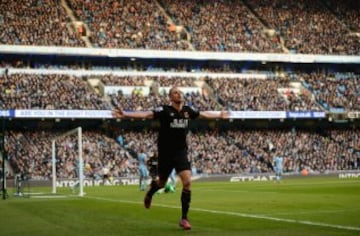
pixel 176 95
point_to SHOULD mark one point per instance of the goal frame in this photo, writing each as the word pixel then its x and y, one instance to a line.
pixel 77 131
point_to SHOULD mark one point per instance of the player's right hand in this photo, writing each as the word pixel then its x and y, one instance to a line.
pixel 224 114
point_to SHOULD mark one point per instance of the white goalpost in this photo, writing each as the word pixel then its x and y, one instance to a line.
pixel 80 166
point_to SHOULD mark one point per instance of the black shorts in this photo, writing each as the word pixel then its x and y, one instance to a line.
pixel 170 160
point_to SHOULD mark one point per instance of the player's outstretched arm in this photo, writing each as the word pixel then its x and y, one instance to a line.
pixel 214 114
pixel 119 113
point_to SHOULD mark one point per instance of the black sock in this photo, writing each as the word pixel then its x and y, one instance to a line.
pixel 185 202
pixel 154 188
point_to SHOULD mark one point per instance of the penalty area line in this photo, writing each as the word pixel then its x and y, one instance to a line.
pixel 245 215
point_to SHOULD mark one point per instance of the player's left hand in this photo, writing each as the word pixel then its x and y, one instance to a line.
pixel 117 113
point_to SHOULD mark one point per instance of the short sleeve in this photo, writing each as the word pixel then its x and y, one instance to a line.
pixel 158 111
pixel 193 112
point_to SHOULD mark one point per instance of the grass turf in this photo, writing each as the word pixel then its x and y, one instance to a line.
pixel 303 206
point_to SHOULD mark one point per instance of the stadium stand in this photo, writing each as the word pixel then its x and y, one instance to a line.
pixel 42 22
pixel 241 146
pixel 212 152
pixel 24 91
pixel 241 26
pixel 307 26
pixel 128 24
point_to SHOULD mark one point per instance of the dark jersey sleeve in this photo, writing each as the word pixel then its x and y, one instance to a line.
pixel 193 112
pixel 158 111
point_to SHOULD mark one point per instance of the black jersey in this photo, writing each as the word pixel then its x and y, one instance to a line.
pixel 174 127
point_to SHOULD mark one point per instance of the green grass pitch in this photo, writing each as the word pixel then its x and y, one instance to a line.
pixel 302 206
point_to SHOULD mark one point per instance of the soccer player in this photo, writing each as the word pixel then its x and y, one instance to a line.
pixel 143 172
pixel 278 166
pixel 106 175
pixel 172 146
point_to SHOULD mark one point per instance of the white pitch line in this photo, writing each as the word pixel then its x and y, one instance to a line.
pixel 312 223
pixel 254 216
pixel 317 212
pixel 50 197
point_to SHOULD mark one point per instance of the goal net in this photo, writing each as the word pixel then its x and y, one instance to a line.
pixel 70 155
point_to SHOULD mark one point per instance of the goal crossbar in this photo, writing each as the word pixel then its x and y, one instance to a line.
pixel 77 131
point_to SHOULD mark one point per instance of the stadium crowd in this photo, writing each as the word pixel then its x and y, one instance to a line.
pixel 308 26
pixel 211 152
pixel 31 91
pixel 222 26
pixel 315 91
pixel 30 152
pixel 127 24
pixel 347 11
pixel 315 27
pixel 42 22
pixel 334 90
pixel 279 26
